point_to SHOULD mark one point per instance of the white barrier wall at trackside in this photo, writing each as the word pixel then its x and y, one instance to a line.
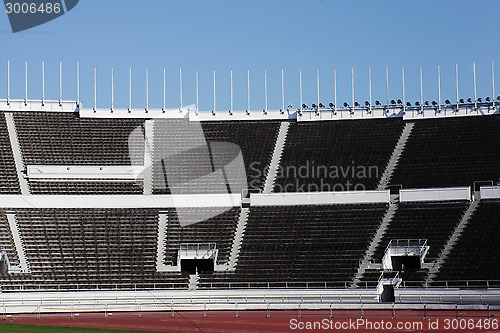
pixel 320 198
pixel 435 194
pixel 490 192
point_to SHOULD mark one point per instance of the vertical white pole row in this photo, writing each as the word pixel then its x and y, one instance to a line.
pixel 439 88
pixel 456 80
pixel 265 88
pixel 231 108
pixel 317 79
pixel 147 90
pixel 95 89
pixel 8 82
pixel 60 82
pixel 404 93
pixel 387 82
pixel 180 84
pixel 282 90
pixel 370 85
pixel 78 84
pixel 248 92
pixel 493 81
pixel 352 86
pixel 300 88
pixel 43 83
pixel 475 91
pixel 421 91
pixel 26 92
pixel 214 90
pixel 112 91
pixel 335 88
pixel 197 91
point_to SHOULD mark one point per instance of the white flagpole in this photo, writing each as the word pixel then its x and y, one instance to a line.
pixel 43 83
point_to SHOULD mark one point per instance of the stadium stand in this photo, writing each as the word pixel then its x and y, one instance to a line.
pixel 476 255
pixel 450 152
pixel 89 248
pixel 256 140
pixel 70 187
pixel 349 146
pixel 9 183
pixel 50 138
pixel 6 240
pixel 218 229
pixel 303 243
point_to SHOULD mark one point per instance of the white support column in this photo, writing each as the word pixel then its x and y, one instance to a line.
pixel 231 107
pixel 317 78
pixel 43 83
pixel 26 93
pixel 112 91
pixel 475 90
pixel 95 89
pixel 180 84
pixel 404 94
pixel 214 94
pixel 439 88
pixel 282 91
pixel 456 80
pixel 148 156
pixel 387 82
pixel 300 88
pixel 335 88
pixel 197 105
pixel 352 86
pixel 78 84
pixel 370 85
pixel 421 92
pixel 265 88
pixel 60 83
pixel 8 82
pixel 493 82
pixel 248 92
pixel 147 90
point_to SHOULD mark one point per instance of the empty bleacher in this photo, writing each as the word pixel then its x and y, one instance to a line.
pixel 354 153
pixel 6 239
pixel 218 229
pixel 9 183
pixel 450 152
pixel 303 243
pixel 434 221
pixel 476 254
pixel 256 140
pixel 84 187
pixel 91 247
pixel 50 138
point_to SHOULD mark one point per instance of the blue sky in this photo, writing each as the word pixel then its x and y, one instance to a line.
pixel 255 35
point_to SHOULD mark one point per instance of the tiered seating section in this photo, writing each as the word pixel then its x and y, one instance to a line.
pixel 434 221
pixel 65 139
pixel 354 153
pixel 194 148
pixel 84 187
pixel 106 248
pixel 218 229
pixel 476 254
pixel 6 240
pixel 451 152
pixel 9 183
pixel 303 243
pixel 256 140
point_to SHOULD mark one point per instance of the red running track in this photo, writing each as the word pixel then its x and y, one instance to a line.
pixel 278 321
